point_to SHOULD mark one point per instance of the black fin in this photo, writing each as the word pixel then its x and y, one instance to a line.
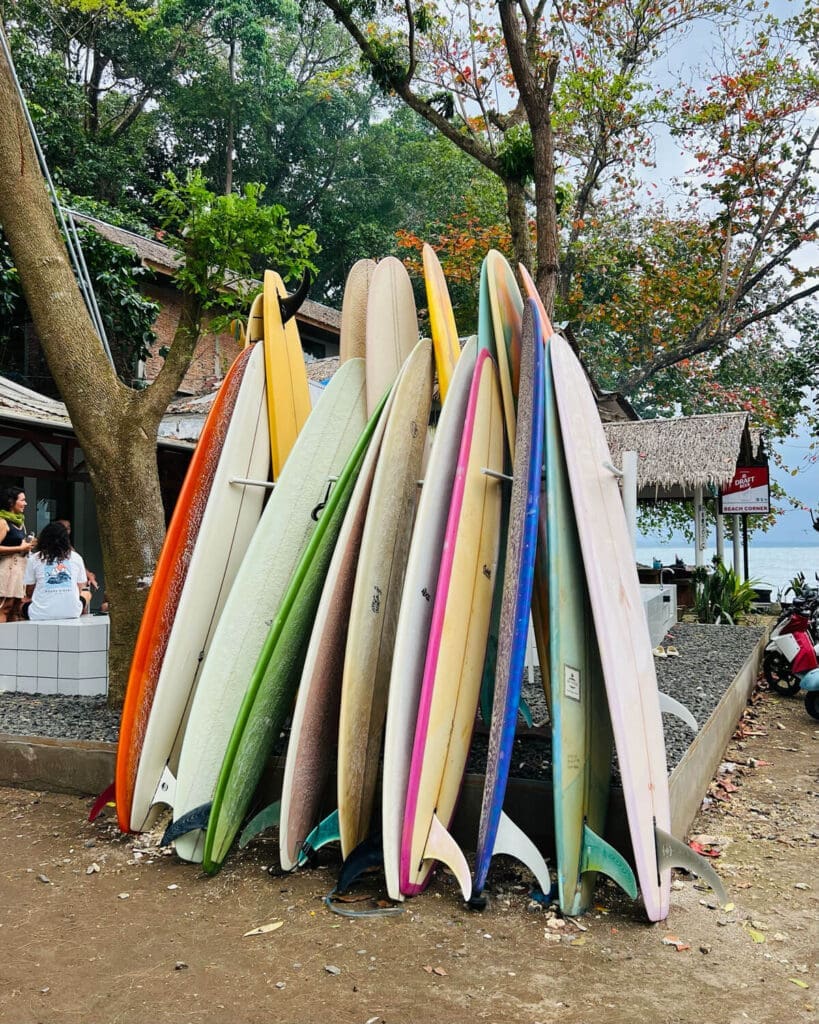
pixel 290 304
pixel 195 819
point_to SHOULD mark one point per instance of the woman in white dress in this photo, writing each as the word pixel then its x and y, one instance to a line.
pixel 15 545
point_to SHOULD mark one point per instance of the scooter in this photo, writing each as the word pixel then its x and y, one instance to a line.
pixel 801 655
pixel 802 616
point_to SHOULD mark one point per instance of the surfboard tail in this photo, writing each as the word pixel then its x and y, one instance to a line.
pixel 267 818
pixel 673 853
pixel 600 856
pixel 107 796
pixel 442 847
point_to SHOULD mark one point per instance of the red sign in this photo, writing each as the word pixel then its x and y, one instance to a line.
pixel 748 492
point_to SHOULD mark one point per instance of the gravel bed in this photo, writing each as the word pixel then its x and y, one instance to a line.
pixel 58 717
pixel 710 657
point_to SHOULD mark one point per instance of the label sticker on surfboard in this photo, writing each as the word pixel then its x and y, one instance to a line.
pixel 571 682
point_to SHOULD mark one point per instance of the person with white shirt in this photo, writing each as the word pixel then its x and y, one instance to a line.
pixel 56 580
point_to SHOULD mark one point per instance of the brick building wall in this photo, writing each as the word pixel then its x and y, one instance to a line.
pixel 214 352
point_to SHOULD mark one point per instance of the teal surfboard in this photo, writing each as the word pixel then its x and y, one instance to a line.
pixel 581 728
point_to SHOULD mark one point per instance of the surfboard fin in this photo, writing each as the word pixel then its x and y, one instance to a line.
pixel 598 855
pixel 195 819
pixel 525 712
pixel 670 706
pixel 327 831
pixel 673 853
pixel 266 818
pixel 166 788
pixel 107 796
pixel 368 854
pixel 441 846
pixel 513 841
pixel 289 305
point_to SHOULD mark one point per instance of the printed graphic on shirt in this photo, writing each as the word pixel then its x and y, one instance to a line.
pixel 57 575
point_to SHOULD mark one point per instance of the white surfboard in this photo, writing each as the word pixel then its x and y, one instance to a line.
pixel 320 452
pixel 229 521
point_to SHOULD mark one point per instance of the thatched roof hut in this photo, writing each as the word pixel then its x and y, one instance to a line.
pixel 676 455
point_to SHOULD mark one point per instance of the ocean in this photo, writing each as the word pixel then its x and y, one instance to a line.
pixel 773 566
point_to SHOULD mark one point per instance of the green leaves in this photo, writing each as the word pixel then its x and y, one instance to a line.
pixel 224 239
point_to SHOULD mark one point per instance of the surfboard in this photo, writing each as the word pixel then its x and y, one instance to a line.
pixel 271 690
pixel 540 589
pixel 352 340
pixel 415 614
pixel 377 596
pixel 392 327
pixel 580 724
pixel 287 523
pixel 620 622
pixel 255 321
pixel 441 320
pixel 288 397
pixel 186 589
pixel 457 641
pixel 312 747
pixel 506 311
pixel 496 832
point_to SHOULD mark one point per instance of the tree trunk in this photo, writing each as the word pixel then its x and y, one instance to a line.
pixel 115 426
pixel 231 116
pixel 519 222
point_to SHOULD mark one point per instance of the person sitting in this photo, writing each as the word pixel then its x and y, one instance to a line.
pixel 56 581
pixel 92 577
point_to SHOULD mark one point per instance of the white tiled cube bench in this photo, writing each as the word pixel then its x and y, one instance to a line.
pixel 66 656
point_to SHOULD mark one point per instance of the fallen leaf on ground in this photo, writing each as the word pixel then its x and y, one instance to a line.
pixel 705 851
pixel 799 982
pixel 678 944
pixel 264 928
pixel 755 935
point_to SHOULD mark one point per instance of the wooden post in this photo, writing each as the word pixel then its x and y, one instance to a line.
pixel 699 532
pixel 737 549
pixel 721 537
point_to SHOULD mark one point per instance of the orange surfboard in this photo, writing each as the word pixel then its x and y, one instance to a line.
pixel 169 578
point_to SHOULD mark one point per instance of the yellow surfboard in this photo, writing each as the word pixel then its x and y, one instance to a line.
pixel 288 397
pixel 442 325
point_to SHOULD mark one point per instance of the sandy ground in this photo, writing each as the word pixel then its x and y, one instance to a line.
pixel 96 927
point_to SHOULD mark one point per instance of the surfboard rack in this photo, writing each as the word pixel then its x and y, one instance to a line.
pixel 314 515
pixel 496 474
pixel 242 482
pixel 290 304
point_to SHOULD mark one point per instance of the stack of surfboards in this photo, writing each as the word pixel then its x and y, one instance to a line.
pixel 385 590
